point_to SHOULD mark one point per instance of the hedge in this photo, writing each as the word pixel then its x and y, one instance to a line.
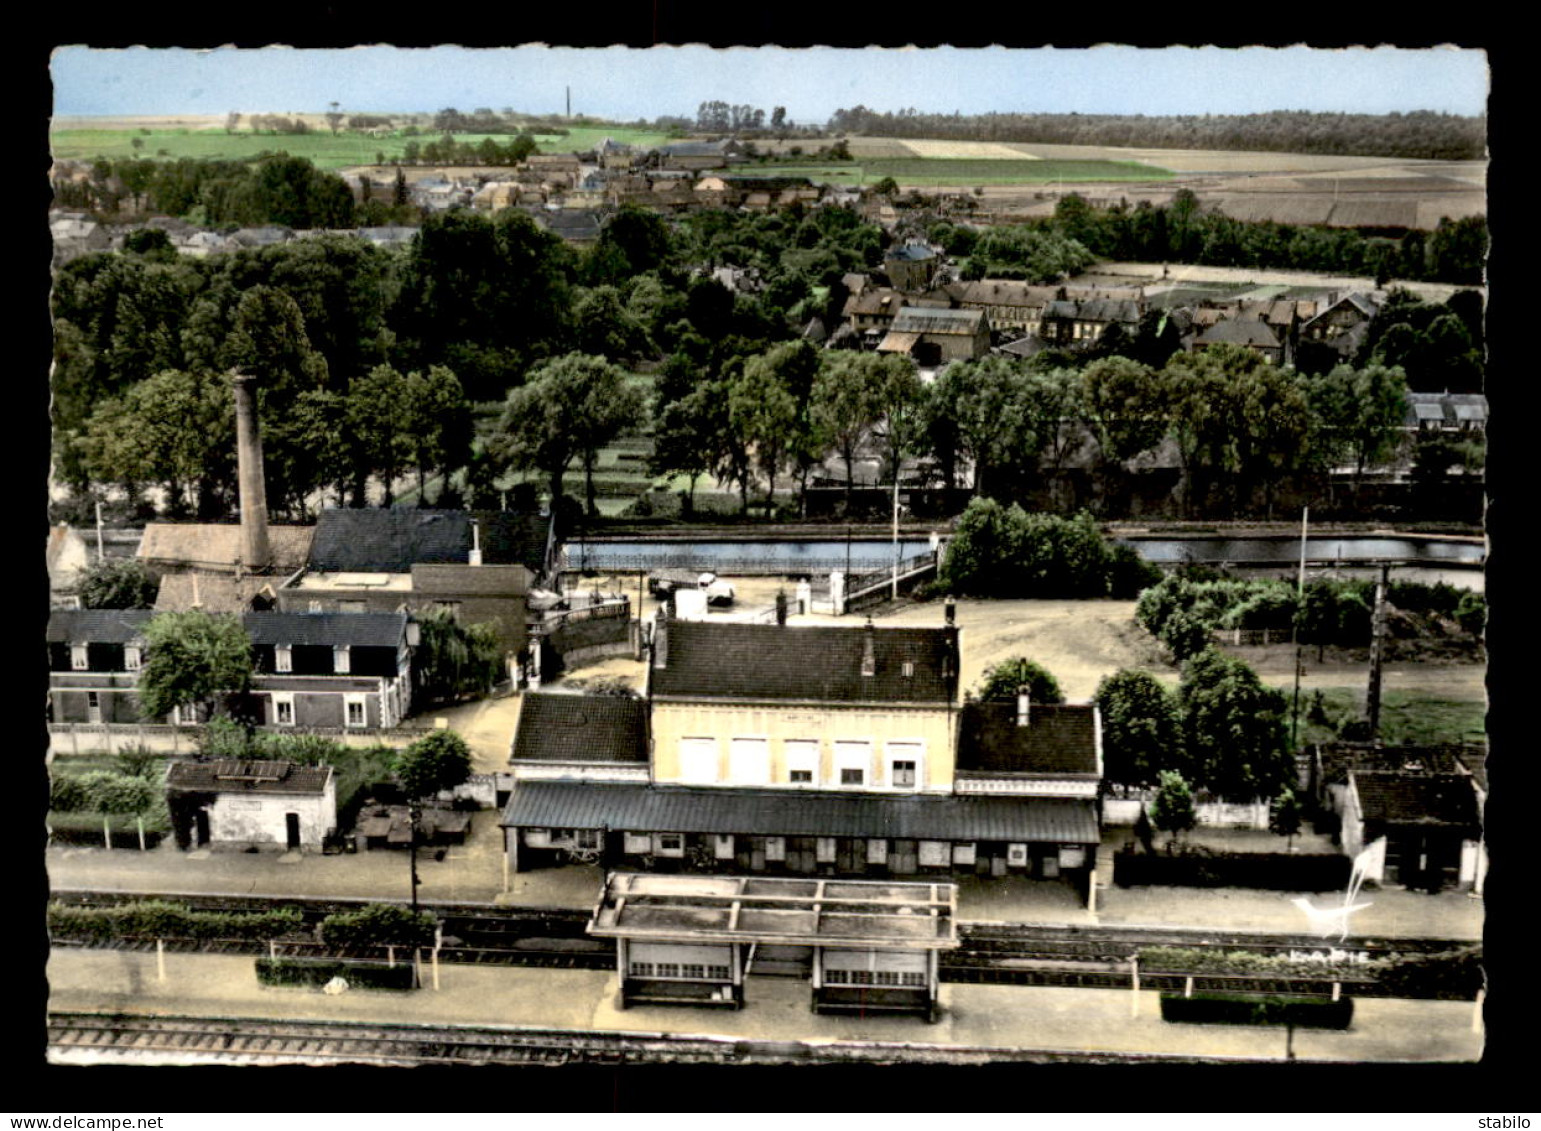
pixel 86 829
pixel 320 971
pixel 379 924
pixel 1451 974
pixel 1192 960
pixel 1236 1009
pixel 1271 871
pixel 151 918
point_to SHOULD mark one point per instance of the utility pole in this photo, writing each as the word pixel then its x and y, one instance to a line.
pixel 1377 653
pixel 1300 604
pixel 895 594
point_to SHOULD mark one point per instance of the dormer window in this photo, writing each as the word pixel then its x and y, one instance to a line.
pixel 283 658
pixel 132 658
pixel 909 669
pixel 340 659
pixel 78 660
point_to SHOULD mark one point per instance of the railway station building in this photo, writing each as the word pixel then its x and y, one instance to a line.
pixel 864 946
pixel 807 751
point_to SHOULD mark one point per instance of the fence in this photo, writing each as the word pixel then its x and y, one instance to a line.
pixel 112 738
pixel 874 585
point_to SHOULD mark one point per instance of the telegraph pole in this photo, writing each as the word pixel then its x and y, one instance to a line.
pixel 1377 653
pixel 1300 605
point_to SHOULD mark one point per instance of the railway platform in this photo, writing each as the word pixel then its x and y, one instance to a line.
pixel 776 1009
pixel 473 873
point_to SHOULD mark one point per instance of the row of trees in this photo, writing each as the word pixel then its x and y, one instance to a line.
pixel 447 151
pixel 1183 232
pixel 1421 134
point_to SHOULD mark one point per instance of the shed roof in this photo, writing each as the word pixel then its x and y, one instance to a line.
pixel 355 630
pixel 1397 797
pixel 580 728
pixel 795 812
pixel 1059 739
pixel 97 626
pixel 935 320
pixel 219 546
pixel 775 909
pixel 213 592
pixel 230 776
pixel 807 663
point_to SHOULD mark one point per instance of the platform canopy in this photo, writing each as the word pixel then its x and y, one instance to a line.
pixel 777 910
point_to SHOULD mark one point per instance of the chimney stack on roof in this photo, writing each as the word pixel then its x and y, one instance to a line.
pixel 661 637
pixel 869 662
pixel 476 544
pixel 1024 706
pixel 255 554
pixel 950 609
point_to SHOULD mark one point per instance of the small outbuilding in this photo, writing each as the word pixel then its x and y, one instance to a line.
pixel 231 804
pixel 867 947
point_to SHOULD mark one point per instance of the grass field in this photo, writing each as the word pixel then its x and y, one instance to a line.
pixel 321 147
pixel 1406 717
pixel 929 172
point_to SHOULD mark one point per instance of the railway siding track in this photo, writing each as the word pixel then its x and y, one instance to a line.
pixel 81 1037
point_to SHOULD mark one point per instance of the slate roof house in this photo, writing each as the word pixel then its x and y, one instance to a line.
pixel 1446 412
pixel 1074 322
pixel 94 657
pixel 813 750
pixel 239 805
pixel 315 670
pixel 478 565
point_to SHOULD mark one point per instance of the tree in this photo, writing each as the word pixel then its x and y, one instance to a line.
pixel 453 660
pixel 1126 405
pixel 569 409
pixel 379 420
pixel 334 117
pixel 117 583
pixel 762 410
pixel 438 761
pixel 1003 681
pixel 193 659
pixel 1234 728
pixel 1172 809
pixel 846 402
pixel 1357 414
pixel 1284 816
pixel 1141 728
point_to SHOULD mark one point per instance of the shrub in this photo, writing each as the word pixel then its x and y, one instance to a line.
pixel 1446 974
pixel 1129 574
pixel 1235 1009
pixel 1193 960
pixel 161 919
pixel 66 794
pixel 1471 613
pixel 379 924
pixel 320 971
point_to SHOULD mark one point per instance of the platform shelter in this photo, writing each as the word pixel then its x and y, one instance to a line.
pixel 688 939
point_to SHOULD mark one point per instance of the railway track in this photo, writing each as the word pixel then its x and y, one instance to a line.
pixel 989 954
pixel 134 1039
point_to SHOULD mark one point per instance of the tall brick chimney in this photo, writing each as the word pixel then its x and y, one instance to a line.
pixel 255 555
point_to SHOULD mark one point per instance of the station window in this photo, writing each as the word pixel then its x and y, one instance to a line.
pixel 800 777
pixel 852 777
pixel 904 774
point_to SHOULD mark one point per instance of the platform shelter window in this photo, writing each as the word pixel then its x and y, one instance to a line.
pixel 669 844
pixel 698 760
pixel 749 761
pixel 802 756
pixel 824 851
pixel 877 851
pixel 722 846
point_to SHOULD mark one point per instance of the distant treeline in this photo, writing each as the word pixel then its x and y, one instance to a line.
pixel 274 188
pixel 1422 133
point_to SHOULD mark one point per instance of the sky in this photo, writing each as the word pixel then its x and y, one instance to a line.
pixel 627 84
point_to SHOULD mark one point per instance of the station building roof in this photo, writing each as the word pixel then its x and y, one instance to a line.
pixel 778 910
pixel 796 812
